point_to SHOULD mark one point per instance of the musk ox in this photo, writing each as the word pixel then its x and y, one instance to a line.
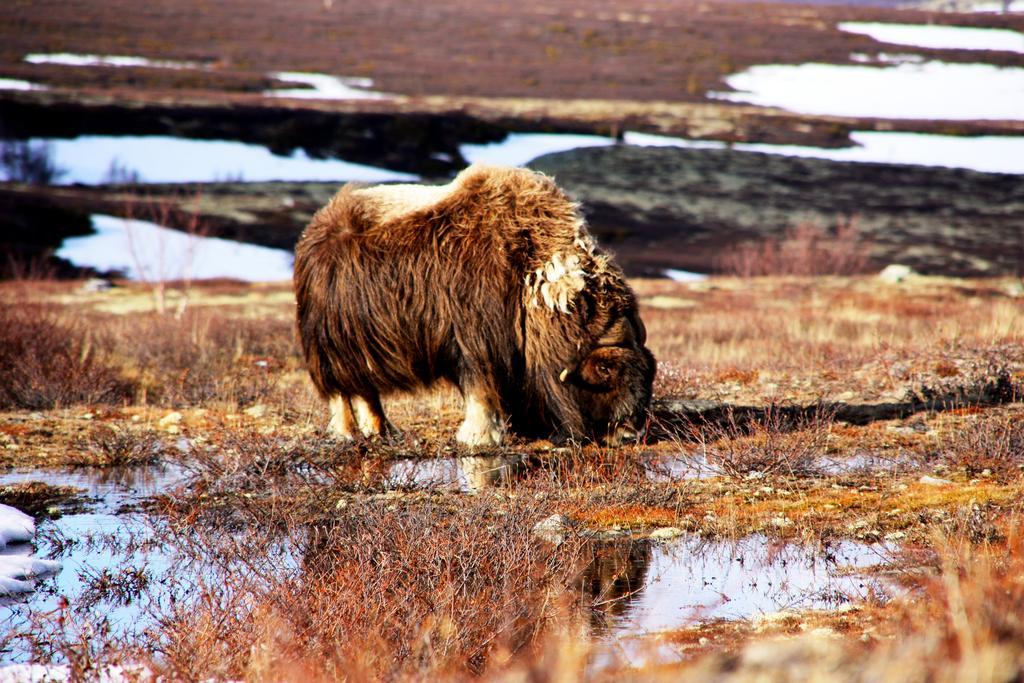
pixel 491 282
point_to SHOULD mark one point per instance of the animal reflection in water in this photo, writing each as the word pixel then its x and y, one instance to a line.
pixel 613 575
pixel 602 577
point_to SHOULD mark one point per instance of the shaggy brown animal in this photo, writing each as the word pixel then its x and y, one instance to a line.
pixel 491 282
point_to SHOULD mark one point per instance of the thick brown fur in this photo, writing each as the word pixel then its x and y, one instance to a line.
pixel 471 286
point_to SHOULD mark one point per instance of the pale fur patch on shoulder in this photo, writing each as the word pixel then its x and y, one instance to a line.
pixel 394 201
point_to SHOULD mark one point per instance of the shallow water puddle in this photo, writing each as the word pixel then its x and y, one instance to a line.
pixel 93 544
pixel 467 474
pixel 680 582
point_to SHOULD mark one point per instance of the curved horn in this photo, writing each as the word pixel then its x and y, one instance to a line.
pixel 641 329
pixel 564 375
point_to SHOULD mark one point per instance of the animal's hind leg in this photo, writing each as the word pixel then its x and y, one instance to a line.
pixel 343 419
pixel 484 424
pixel 370 416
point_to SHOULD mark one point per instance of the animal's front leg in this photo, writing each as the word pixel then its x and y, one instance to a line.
pixel 370 417
pixel 484 424
pixel 343 420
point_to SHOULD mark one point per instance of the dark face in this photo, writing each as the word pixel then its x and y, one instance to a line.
pixel 614 383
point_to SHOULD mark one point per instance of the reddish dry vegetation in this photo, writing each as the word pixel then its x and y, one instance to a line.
pixel 318 566
pixel 611 49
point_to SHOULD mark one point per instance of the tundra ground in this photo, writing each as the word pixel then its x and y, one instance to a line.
pixel 817 410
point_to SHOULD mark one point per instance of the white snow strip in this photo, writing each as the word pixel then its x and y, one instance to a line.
pixel 15 526
pixel 684 275
pixel 519 148
pixel 71 59
pixel 325 87
pixel 987 153
pixel 652 140
pixel 150 252
pixel 61 673
pixel 18 84
pixel 932 90
pixel 997 7
pixel 91 159
pixel 886 58
pixel 939 37
pixel 17 573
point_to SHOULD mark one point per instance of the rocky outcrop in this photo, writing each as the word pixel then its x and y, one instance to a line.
pixel 659 207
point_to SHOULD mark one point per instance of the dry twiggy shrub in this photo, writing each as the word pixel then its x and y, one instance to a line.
pixel 48 359
pixel 775 441
pixel 994 442
pixel 205 356
pixel 109 446
pixel 806 249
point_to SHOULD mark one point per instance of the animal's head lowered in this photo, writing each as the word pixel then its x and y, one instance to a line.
pixel 613 382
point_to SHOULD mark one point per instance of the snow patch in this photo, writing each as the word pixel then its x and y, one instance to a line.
pixel 886 58
pixel 997 7
pixel 18 84
pixel 71 59
pixel 60 673
pixel 519 148
pixel 17 571
pixel 91 159
pixel 684 275
pixel 15 526
pixel 324 87
pixel 939 37
pixel 932 90
pixel 150 252
pixel 986 153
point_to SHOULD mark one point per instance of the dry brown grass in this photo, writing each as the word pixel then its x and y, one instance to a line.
pixel 302 558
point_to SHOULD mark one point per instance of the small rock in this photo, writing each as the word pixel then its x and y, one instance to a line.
pixel 933 481
pixel 666 533
pixel 895 536
pixel 781 522
pixel 97 284
pixel 170 419
pixel 765 621
pixel 86 416
pixel 553 529
pixel 256 411
pixel 895 273
pixel 703 641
